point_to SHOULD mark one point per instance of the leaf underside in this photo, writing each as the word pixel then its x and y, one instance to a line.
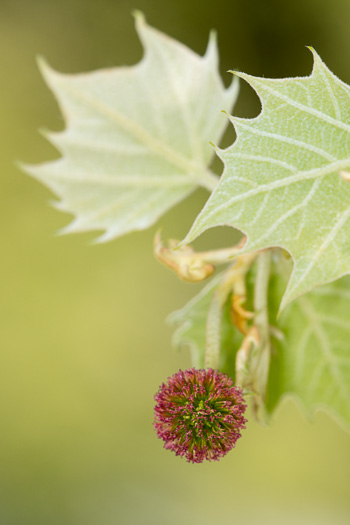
pixel 137 138
pixel 282 184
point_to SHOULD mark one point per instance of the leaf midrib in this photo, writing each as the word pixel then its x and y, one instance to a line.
pixel 280 183
pixel 204 175
pixel 133 181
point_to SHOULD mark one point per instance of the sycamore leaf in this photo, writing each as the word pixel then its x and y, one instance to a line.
pixel 285 179
pixel 312 360
pixel 137 138
pixel 191 323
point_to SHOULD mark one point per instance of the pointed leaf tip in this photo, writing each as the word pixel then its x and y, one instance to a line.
pixel 211 53
pixel 237 73
pixel 139 16
pixel 44 66
pixel 104 125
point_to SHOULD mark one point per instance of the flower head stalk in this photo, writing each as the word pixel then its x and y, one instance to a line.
pixel 199 414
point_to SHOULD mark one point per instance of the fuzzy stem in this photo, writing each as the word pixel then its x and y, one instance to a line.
pixel 218 256
pixel 260 295
pixel 262 321
pixel 231 278
pixel 213 328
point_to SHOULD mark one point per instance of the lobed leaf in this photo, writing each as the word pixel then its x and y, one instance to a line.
pixel 285 183
pixel 312 360
pixel 137 138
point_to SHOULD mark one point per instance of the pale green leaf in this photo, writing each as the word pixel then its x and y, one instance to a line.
pixel 284 184
pixel 312 360
pixel 191 331
pixel 137 138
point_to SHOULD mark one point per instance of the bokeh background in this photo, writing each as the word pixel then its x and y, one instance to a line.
pixel 84 345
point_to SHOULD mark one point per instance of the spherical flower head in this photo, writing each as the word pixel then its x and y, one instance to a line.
pixel 199 414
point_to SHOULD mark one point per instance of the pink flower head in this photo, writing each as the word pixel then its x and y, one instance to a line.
pixel 199 414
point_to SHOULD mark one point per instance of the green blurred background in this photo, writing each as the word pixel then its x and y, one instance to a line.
pixel 84 345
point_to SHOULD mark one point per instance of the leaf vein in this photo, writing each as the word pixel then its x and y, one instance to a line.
pixel 321 336
pixel 330 237
pixel 314 112
pixel 282 138
pixel 280 183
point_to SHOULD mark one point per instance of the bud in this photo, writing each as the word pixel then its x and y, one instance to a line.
pixel 199 414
